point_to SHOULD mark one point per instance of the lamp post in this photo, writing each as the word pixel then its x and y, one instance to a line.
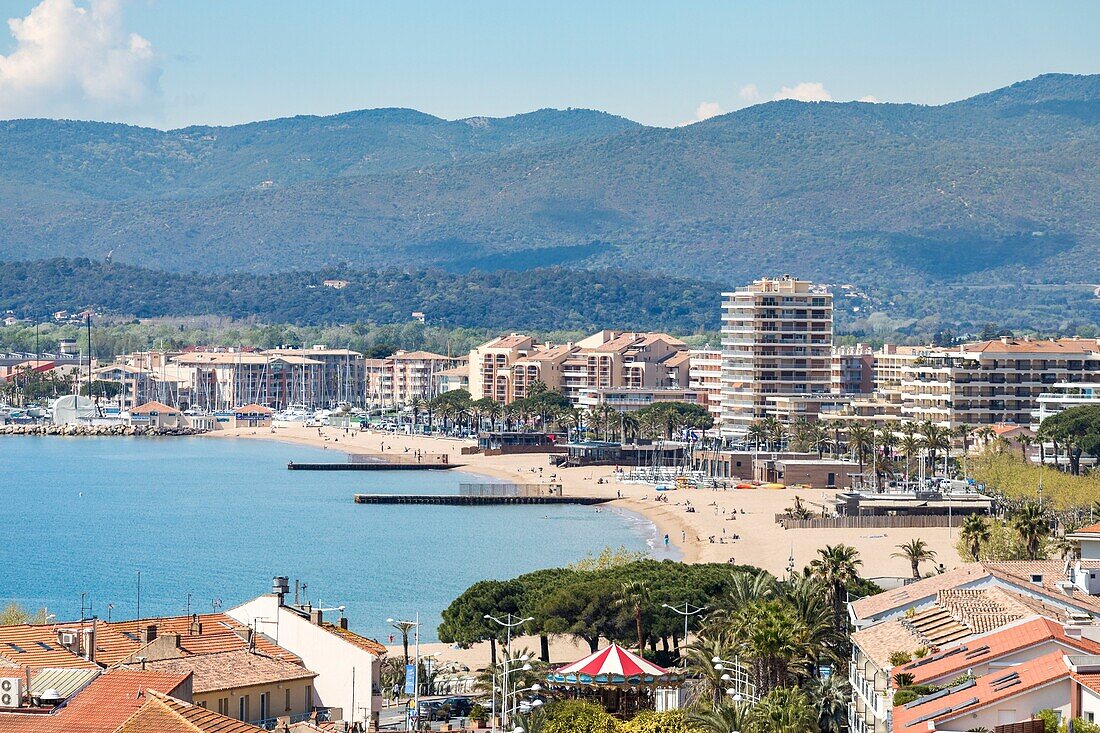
pixel 533 688
pixel 504 717
pixel 416 669
pixel 742 689
pixel 686 613
pixel 510 621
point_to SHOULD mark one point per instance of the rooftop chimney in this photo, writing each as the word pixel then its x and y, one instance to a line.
pixel 149 633
pixel 316 617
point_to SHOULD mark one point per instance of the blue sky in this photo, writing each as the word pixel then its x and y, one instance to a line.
pixel 175 62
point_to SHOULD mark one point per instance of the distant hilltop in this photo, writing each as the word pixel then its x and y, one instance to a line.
pixel 998 188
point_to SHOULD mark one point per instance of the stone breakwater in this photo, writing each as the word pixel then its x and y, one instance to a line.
pixel 94 430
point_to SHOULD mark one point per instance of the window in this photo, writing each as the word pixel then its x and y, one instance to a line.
pixel 309 698
pixel 223 706
pixel 286 708
pixel 242 709
pixel 265 705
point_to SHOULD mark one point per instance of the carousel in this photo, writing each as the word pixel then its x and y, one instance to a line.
pixel 622 682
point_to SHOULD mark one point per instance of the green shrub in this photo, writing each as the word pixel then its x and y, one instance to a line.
pixel 648 721
pixel 577 716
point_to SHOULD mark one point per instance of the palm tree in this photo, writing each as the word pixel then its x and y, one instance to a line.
pixel 910 446
pixel 1030 522
pixel 817 438
pixel 837 567
pixel 783 710
pixel 777 433
pixel 860 439
pixel 935 440
pixel 800 433
pixel 628 425
pixel 757 433
pixel 1025 441
pixel 915 551
pixel 634 595
pixel 830 696
pixel 721 717
pixel 417 405
pixel 404 627
pixel 975 533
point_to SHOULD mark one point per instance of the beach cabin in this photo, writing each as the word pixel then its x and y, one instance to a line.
pixel 252 416
pixel 156 415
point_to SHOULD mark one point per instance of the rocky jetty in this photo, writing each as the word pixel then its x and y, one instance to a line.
pixel 94 430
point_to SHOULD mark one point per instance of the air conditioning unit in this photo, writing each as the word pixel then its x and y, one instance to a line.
pixel 11 692
pixel 67 638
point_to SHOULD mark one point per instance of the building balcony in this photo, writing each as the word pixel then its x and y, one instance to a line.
pixel 874 700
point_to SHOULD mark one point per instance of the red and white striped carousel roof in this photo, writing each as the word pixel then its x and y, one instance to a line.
pixel 614 660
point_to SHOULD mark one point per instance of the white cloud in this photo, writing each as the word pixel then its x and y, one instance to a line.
pixel 76 61
pixel 806 91
pixel 749 94
pixel 869 98
pixel 706 110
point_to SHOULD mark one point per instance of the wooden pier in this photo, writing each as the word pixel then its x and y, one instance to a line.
pixel 379 466
pixel 466 500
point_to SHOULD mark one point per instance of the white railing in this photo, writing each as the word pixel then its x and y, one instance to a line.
pixel 872 698
pixel 856 724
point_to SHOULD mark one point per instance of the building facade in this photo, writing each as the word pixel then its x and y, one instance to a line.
pixel 777 339
pixel 991 382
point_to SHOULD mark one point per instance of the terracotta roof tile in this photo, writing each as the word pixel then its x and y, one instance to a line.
pixel 351 637
pixel 922 589
pixel 203 634
pixel 154 406
pixel 36 646
pixel 101 707
pixel 228 670
pixel 993 645
pixel 985 691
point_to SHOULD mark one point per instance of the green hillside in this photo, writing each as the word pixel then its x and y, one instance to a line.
pixel 999 188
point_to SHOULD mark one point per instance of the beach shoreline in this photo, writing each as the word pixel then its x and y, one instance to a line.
pixel 703 525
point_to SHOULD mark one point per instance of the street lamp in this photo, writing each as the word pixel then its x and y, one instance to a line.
pixel 741 687
pixel 504 717
pixel 510 621
pixel 416 669
pixel 686 613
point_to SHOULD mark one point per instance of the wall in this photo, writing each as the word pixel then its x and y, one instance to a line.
pixel 298 703
pixel 323 652
pixel 1053 697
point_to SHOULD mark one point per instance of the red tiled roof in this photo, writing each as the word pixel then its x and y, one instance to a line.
pixel 997 644
pixel 926 588
pixel 351 637
pixel 1090 529
pixel 985 691
pixel 230 670
pixel 1090 680
pixel 101 707
pixel 154 406
pixel 254 408
pixel 37 646
pixel 219 633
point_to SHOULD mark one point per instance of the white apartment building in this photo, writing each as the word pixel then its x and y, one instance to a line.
pixel 889 365
pixel 1063 396
pixel 997 381
pixel 705 378
pixel 777 339
pixel 853 370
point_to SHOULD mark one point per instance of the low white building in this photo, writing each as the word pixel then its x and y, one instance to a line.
pixel 348 665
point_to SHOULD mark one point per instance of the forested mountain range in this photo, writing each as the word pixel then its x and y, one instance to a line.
pixel 996 189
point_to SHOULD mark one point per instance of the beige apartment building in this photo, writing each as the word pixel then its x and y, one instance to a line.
pixel 890 363
pixel 997 381
pixel 340 378
pixel 505 368
pixel 491 366
pixel 777 339
pixel 403 377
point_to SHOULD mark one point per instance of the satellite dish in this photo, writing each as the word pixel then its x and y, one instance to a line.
pixel 72 409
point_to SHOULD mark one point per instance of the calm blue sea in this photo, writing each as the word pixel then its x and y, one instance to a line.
pixel 218 518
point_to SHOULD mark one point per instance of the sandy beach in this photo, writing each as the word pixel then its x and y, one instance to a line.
pixel 719 514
